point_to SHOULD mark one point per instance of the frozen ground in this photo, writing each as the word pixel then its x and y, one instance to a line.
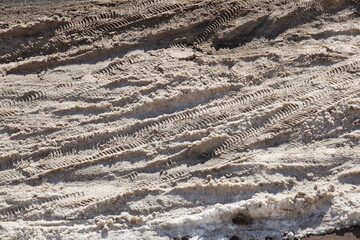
pixel 179 119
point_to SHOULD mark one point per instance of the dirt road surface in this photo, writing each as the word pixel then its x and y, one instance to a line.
pixel 179 119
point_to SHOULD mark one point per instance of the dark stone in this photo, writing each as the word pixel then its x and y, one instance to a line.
pixel 181 238
pixel 242 219
pixel 235 238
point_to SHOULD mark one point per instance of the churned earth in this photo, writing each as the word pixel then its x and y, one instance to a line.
pixel 179 119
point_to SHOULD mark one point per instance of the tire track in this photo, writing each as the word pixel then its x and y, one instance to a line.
pixel 203 123
pixel 109 131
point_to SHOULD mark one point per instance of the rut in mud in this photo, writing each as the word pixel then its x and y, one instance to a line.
pixel 179 118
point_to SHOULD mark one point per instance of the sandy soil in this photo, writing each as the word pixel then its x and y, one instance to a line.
pixel 179 119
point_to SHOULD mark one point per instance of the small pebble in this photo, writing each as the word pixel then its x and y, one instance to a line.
pixel 100 223
pixel 290 236
pixel 105 228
